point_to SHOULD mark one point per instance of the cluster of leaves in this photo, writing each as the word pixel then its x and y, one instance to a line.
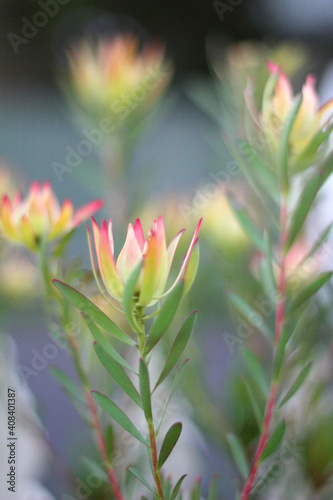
pixel 118 368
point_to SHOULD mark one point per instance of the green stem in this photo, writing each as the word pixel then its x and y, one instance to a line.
pixel 151 428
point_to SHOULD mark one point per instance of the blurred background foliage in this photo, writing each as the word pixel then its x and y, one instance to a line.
pixel 175 164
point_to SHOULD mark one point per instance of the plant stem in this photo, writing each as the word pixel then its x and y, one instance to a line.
pixel 279 322
pixel 152 436
pixel 95 422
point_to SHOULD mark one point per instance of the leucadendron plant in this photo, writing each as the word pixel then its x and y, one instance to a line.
pixel 136 283
pixel 288 138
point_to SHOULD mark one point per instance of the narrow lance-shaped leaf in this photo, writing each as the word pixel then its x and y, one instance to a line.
pixel 251 315
pixel 118 415
pixel 256 370
pixel 169 443
pixel 104 343
pixel 85 305
pixel 212 494
pixel 173 387
pixel 319 243
pixel 296 384
pixel 238 454
pixel 118 374
pixel 265 177
pixel 95 468
pixel 164 318
pixel 196 492
pixel 270 276
pixel 192 267
pixel 305 202
pixel 307 197
pixel 145 390
pixel 274 440
pixel 140 477
pixel 128 297
pixel 253 398
pixel 308 291
pixel 177 347
pixel 73 390
pixel 310 154
pixel 283 150
pixel 248 174
pixel 176 489
pixel 247 225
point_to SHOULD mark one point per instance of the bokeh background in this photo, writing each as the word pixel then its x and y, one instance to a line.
pixel 171 162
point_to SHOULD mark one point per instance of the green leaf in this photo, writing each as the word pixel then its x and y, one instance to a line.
pixel 145 390
pixel 303 207
pixel 173 387
pixel 128 303
pixel 238 454
pixel 104 343
pixel 248 312
pixel 296 384
pixel 309 156
pixel 247 225
pixel 283 149
pixel 109 440
pixel 62 245
pixel 192 268
pixel 95 468
pixel 274 440
pixel 317 245
pixel 166 487
pixel 258 412
pixel 169 443
pixel 256 370
pixel 118 415
pixel 118 374
pixel 212 494
pixel 71 388
pixel 140 477
pixel 196 492
pixel 308 291
pixel 281 347
pixel 85 305
pixel 307 198
pixel 258 168
pixel 164 318
pixel 268 272
pixel 176 489
pixel 177 347
pixel 248 174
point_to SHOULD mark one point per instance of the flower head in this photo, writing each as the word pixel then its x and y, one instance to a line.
pixel 113 75
pixel 152 253
pixel 279 104
pixel 27 221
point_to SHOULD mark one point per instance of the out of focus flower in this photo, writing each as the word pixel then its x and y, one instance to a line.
pixel 277 108
pixel 155 256
pixel 27 221
pixel 222 227
pixel 115 77
pixel 19 277
pixel 6 182
pixel 235 65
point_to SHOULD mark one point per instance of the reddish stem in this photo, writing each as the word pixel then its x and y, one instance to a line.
pixel 154 458
pixel 279 321
pixel 95 420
